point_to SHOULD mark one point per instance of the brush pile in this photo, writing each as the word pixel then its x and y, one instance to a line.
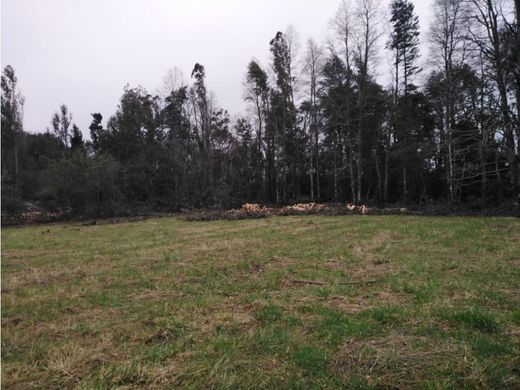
pixel 254 210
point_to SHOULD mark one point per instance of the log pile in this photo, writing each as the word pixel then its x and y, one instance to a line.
pixel 304 208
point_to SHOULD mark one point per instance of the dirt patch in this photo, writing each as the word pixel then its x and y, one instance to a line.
pixel 155 294
pixel 347 304
pixel 98 314
pixel 391 298
pixel 379 240
pixel 14 321
pixel 229 317
pixel 374 264
pixel 284 262
pixel 334 265
pixel 372 271
pixel 62 328
pixel 356 304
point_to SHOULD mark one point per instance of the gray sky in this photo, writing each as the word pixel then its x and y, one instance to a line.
pixel 83 52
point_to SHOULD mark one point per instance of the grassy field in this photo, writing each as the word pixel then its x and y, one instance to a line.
pixel 285 302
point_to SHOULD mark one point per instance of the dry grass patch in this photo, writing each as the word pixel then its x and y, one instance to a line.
pixel 362 302
pixel 399 361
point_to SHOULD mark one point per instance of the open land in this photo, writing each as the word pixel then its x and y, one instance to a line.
pixel 281 302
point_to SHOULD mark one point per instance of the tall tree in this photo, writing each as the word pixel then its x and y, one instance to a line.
pixel 60 123
pixel 344 30
pixel 257 92
pixel 368 19
pixel 313 69
pixel 96 130
pixel 76 139
pixel 201 110
pixel 488 23
pixel 12 125
pixel 448 41
pixel 404 42
pixel 178 164
pixel 283 115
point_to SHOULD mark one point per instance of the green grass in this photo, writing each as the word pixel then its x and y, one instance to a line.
pixel 361 302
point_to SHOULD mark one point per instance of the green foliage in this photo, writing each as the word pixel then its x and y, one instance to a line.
pixel 12 203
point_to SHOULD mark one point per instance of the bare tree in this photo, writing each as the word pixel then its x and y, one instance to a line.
pixel 488 21
pixel 313 68
pixel 368 32
pixel 343 28
pixel 448 41
pixel 172 80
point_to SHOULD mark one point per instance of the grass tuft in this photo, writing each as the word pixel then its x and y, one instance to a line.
pixel 475 318
pixel 311 359
pixel 268 314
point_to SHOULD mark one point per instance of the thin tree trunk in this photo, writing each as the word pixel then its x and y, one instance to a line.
pixel 351 170
pixel 378 172
pixel 385 191
pixel 335 166
pixel 317 165
pixel 16 168
pixel 404 185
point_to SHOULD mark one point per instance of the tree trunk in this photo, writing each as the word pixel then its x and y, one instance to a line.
pixel 378 172
pixel 385 191
pixel 317 165
pixel 404 185
pixel 351 170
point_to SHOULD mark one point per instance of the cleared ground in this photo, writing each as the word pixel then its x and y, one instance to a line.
pixel 284 302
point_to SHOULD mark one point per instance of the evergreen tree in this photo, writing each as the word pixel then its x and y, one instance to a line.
pixel 404 41
pixel 76 139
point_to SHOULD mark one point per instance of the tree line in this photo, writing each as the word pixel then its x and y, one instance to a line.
pixel 319 125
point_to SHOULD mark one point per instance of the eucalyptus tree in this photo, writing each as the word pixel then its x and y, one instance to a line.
pixel 368 32
pixel 313 71
pixel 257 93
pixel 12 126
pixel 60 124
pixel 344 30
pixel 283 118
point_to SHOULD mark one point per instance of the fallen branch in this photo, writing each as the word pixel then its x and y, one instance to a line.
pixel 320 283
pixel 308 282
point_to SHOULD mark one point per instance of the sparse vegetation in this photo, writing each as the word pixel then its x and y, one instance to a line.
pixel 166 303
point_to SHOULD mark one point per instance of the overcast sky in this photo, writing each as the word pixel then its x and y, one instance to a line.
pixel 83 52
